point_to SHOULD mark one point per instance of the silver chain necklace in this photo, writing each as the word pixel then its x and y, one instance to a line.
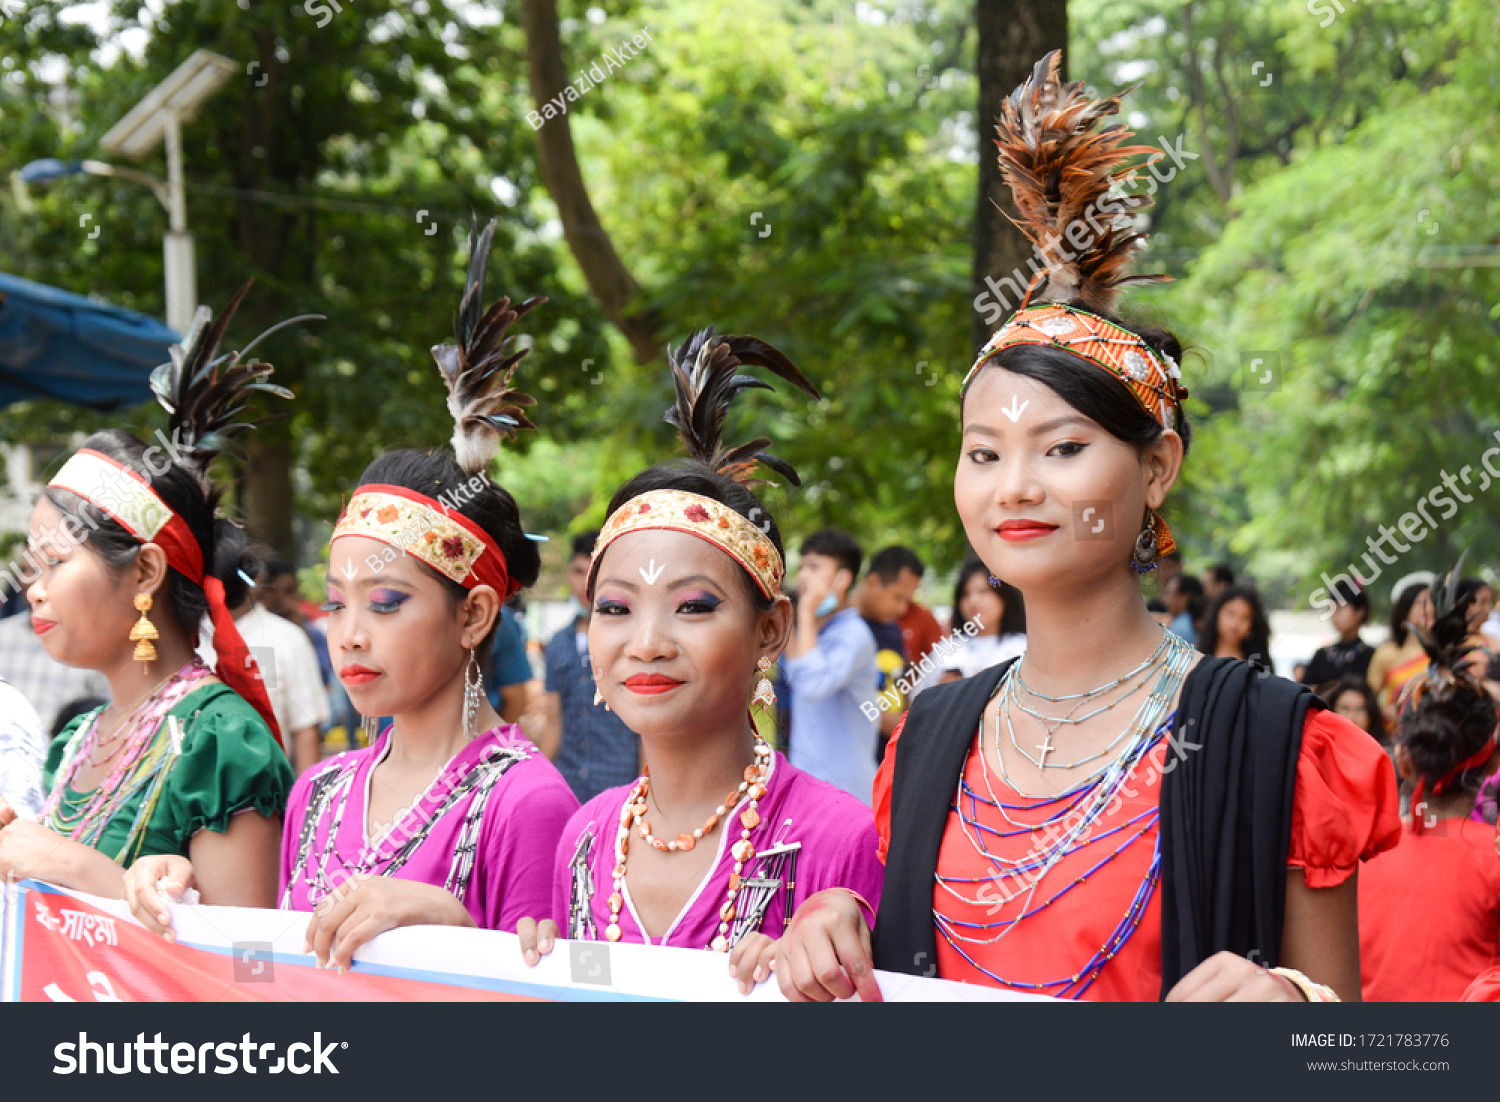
pixel 1168 679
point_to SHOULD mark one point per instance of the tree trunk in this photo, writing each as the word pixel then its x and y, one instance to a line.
pixel 263 234
pixel 1013 36
pixel 268 482
pixel 607 276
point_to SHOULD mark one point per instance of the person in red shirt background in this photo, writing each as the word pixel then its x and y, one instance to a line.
pixel 919 627
pixel 1430 908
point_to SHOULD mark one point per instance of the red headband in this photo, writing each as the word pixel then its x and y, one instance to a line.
pixel 1473 761
pixel 138 508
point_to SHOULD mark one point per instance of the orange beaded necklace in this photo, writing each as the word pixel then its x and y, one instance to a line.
pixel 633 813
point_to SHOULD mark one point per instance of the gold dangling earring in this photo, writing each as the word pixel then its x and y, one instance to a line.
pixel 763 706
pixel 143 633
pixel 765 692
pixel 598 696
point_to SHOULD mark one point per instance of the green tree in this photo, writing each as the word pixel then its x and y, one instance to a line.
pixel 307 174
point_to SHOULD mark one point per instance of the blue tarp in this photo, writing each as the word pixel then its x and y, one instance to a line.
pixel 56 344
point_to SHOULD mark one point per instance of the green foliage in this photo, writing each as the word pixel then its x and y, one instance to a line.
pixel 804 187
pixel 1369 266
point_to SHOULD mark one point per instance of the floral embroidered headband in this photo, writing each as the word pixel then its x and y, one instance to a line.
pixel 426 528
pixel 680 511
pixel 129 499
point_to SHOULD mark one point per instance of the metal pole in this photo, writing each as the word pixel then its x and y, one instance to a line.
pixel 177 245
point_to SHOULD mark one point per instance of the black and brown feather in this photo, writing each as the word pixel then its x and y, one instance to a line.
pixel 1061 167
pixel 479 363
pixel 706 378
pixel 204 393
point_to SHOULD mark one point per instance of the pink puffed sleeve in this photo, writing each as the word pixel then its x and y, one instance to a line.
pixel 1345 808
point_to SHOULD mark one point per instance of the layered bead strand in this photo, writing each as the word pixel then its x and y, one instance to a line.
pixel 633 814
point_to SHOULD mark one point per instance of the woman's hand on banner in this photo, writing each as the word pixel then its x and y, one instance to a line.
pixel 537 939
pixel 366 906
pixel 826 953
pixel 1229 978
pixel 752 961
pixel 175 876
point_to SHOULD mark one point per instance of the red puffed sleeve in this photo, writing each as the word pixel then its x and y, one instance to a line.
pixel 1486 989
pixel 881 797
pixel 1345 808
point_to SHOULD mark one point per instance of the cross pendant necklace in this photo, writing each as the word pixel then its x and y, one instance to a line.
pixel 1044 747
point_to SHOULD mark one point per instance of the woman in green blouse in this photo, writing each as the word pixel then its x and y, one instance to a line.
pixel 125 558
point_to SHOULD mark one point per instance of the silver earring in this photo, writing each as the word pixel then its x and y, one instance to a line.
pixel 473 693
pixel 1147 546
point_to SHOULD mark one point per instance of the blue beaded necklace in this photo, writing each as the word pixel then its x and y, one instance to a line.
pixel 1083 805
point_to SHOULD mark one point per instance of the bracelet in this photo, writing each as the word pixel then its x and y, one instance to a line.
pixel 1311 992
pixel 862 901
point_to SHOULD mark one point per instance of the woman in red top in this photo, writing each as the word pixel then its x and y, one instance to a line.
pixel 1113 815
pixel 1430 908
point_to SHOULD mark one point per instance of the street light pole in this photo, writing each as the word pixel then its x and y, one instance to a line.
pixel 160 117
pixel 177 244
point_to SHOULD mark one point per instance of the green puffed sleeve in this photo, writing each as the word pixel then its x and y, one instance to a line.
pixel 230 762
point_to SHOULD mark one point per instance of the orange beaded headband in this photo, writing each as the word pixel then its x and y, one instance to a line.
pixel 1154 379
pixel 680 511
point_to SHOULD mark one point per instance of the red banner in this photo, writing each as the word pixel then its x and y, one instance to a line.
pixel 63 947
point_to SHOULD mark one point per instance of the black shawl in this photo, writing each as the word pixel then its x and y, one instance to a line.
pixel 1226 815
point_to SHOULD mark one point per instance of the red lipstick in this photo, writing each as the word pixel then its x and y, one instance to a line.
pixel 357 675
pixel 42 627
pixel 1017 531
pixel 651 683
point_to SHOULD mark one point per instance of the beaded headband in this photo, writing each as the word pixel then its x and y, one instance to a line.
pixel 680 511
pixel 1154 379
pixel 429 530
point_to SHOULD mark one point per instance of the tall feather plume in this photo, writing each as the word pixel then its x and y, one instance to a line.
pixel 1448 642
pixel 704 373
pixel 479 363
pixel 204 392
pixel 1061 169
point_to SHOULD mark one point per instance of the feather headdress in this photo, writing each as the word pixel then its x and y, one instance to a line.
pixel 1062 169
pixel 704 374
pixel 204 392
pixel 479 363
pixel 1447 642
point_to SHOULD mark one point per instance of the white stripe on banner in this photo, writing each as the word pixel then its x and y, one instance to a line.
pixel 66 945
